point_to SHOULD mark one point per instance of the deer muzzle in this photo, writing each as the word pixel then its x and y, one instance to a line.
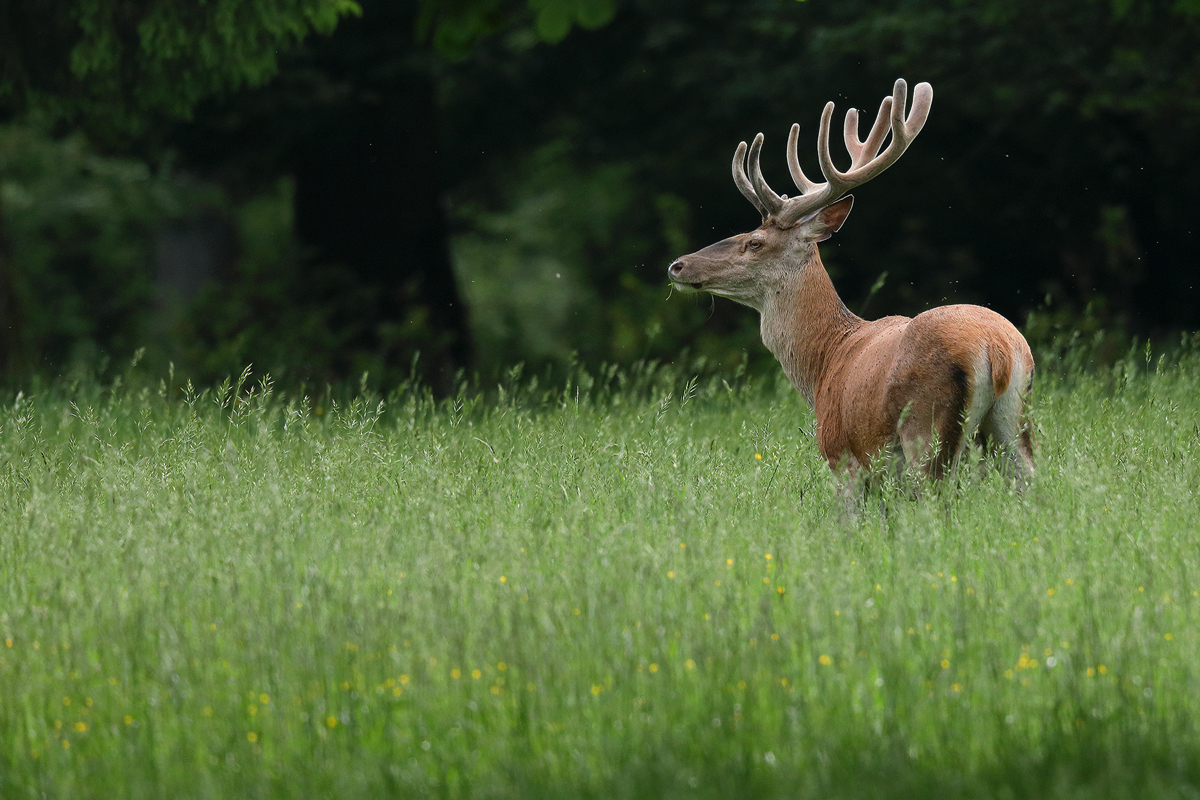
pixel 677 273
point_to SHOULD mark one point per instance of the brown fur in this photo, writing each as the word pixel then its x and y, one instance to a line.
pixel 896 376
pixel 873 385
pixel 898 385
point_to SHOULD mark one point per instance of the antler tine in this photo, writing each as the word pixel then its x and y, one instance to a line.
pixel 816 195
pixel 793 159
pixel 836 183
pixel 743 183
pixel 850 134
pixel 899 107
pixel 866 160
pixel 766 195
pixel 922 100
pixel 903 131
pixel 861 152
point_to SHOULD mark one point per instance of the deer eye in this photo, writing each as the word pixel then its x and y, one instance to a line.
pixel 754 244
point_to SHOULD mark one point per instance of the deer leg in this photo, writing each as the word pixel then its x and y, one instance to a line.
pixel 1007 433
pixel 933 437
pixel 987 451
pixel 852 487
pixel 899 462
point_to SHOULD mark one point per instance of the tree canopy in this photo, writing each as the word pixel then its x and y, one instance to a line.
pixel 455 27
pixel 109 65
pixel 491 181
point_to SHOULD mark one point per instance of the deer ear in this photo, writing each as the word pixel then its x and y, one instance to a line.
pixel 823 223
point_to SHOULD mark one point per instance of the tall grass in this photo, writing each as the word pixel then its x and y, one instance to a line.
pixel 634 585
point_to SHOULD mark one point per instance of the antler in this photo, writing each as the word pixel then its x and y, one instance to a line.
pixel 866 160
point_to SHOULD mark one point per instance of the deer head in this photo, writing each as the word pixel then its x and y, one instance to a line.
pixel 747 267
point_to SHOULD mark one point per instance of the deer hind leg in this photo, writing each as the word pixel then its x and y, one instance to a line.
pixel 980 401
pixel 1004 431
pixel 937 438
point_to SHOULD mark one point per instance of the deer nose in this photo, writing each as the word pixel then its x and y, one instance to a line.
pixel 675 268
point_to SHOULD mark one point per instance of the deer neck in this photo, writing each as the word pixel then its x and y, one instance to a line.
pixel 803 321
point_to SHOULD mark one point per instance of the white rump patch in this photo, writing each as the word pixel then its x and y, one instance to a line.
pixel 1004 423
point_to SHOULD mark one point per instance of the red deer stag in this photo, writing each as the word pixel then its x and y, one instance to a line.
pixel 917 388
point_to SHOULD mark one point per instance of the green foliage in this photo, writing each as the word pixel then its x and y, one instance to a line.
pixel 116 65
pixel 557 267
pixel 1056 160
pixel 632 585
pixel 182 53
pixel 457 26
pixel 555 17
pixel 1128 57
pixel 81 230
pixel 273 288
pixel 85 231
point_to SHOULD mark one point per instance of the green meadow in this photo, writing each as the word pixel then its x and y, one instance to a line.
pixel 636 583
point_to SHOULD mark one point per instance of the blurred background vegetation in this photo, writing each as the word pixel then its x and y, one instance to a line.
pixel 326 187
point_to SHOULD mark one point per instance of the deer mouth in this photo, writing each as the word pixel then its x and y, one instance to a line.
pixel 688 287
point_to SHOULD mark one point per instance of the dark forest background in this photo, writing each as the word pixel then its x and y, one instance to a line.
pixel 323 187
